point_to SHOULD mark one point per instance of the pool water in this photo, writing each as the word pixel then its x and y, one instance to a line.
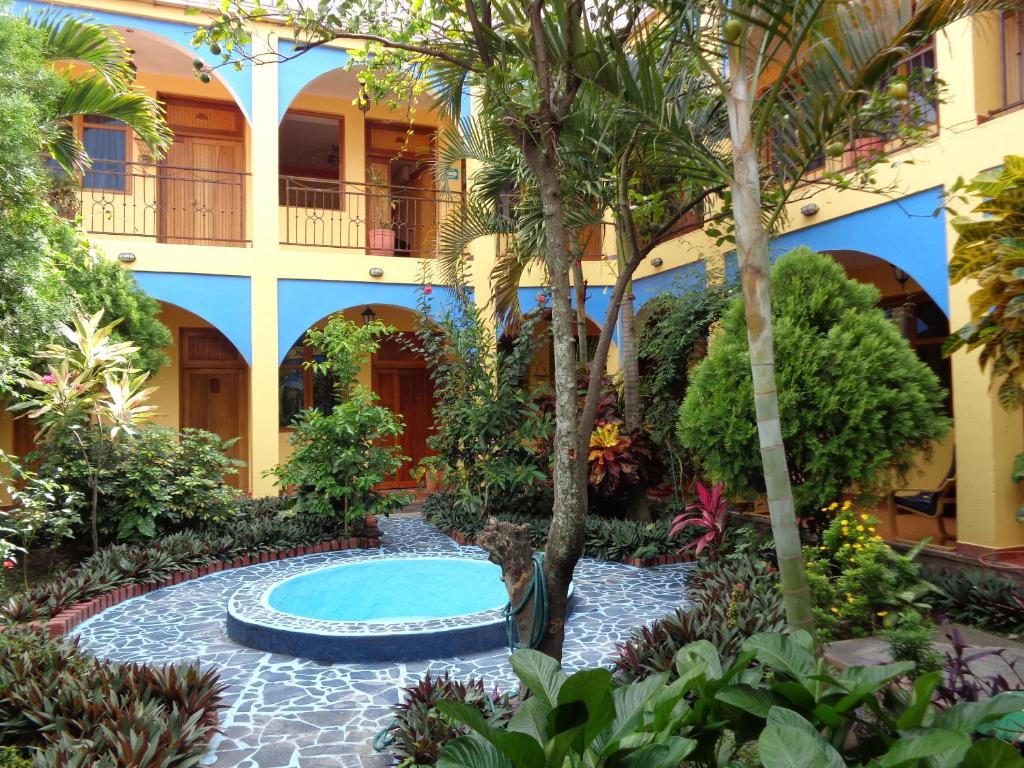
pixel 400 589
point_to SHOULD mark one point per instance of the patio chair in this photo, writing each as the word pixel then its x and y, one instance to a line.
pixel 934 503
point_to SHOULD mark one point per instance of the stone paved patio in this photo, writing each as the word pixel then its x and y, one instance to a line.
pixel 285 712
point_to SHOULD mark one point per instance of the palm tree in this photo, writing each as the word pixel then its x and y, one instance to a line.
pixel 800 77
pixel 105 87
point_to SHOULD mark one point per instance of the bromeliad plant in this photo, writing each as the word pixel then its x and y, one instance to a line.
pixel 91 393
pixel 710 513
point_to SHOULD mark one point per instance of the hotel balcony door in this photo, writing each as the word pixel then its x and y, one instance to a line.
pixel 214 392
pixel 202 178
pixel 402 382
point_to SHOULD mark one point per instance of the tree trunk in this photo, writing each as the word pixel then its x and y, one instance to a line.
pixel 752 247
pixel 580 290
pixel 508 545
pixel 95 512
pixel 565 537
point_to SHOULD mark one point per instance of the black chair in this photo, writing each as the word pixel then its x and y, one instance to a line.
pixel 933 503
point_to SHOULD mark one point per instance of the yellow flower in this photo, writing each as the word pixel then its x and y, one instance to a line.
pixel 863 516
pixel 853 560
pixel 883 613
pixel 860 527
pixel 856 546
pixel 849 598
pixel 847 504
pixel 833 505
pixel 834 609
pixel 872 529
pixel 822 548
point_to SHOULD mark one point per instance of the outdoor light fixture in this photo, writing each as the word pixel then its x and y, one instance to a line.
pixel 376 272
pixel 901 277
pixel 126 257
pixel 369 315
pixel 657 261
pixel 810 209
pixel 363 100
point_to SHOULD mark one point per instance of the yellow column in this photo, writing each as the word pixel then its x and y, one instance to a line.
pixel 263 396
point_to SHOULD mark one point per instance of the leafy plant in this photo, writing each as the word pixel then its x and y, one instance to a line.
pixel 777 692
pixel 81 711
pixel 852 413
pixel 729 601
pixel 978 597
pixel 158 483
pixel 960 681
pixel 11 757
pixel 860 584
pixel 90 394
pixel 489 434
pixel 338 458
pixel 710 513
pixel 420 730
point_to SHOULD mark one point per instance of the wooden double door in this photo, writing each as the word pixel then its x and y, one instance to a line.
pixel 215 392
pixel 402 382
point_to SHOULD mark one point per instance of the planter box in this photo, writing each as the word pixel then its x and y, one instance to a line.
pixel 353 542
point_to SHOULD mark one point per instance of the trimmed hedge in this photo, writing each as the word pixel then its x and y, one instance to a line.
pixel 71 710
pixel 258 529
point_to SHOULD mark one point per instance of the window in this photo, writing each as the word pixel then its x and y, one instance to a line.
pixel 918 70
pixel 106 142
pixel 1011 43
pixel 300 388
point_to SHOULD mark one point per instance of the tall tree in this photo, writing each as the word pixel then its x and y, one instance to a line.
pixel 801 79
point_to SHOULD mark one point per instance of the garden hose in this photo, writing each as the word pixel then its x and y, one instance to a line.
pixel 538 594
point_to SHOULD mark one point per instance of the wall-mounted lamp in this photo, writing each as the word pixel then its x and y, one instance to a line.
pixel 376 272
pixel 363 100
pixel 657 261
pixel 126 258
pixel 368 315
pixel 901 277
pixel 810 209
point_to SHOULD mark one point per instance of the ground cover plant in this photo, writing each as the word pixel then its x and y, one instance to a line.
pixel 261 525
pixel 980 598
pixel 64 708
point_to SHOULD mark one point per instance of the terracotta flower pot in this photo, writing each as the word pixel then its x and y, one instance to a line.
pixel 382 242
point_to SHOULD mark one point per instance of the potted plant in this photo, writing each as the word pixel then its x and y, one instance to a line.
pixel 382 228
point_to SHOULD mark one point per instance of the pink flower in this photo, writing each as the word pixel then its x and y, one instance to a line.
pixel 428 289
pixel 577 263
pixel 8 564
pixel 541 298
pixel 48 378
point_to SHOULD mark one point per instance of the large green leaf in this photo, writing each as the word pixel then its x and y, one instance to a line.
pixel 519 748
pixel 747 698
pixel 531 719
pixel 592 687
pixel 992 753
pixel 920 701
pixel 784 655
pixel 968 716
pixel 630 702
pixel 860 682
pixel 471 752
pixel 540 673
pixel 790 741
pixel 668 755
pixel 942 748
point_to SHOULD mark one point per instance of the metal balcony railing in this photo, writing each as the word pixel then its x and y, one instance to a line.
pixel 172 204
pixel 379 219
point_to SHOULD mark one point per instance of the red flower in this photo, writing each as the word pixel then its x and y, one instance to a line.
pixel 428 289
pixel 8 564
pixel 577 263
pixel 541 298
pixel 48 378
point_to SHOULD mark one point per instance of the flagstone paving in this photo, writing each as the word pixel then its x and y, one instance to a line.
pixel 285 712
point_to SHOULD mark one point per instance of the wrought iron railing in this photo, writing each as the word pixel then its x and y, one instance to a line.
pixel 173 204
pixel 383 220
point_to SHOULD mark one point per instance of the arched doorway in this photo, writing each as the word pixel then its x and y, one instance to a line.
pixel 396 373
pixel 925 326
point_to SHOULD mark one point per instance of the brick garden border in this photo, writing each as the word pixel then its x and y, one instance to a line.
pixel 468 541
pixel 74 615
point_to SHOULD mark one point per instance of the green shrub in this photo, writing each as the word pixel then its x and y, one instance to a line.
pixel 339 457
pixel 160 482
pixel 82 711
pixel 729 601
pixel 420 730
pixel 910 639
pixel 856 403
pixel 980 598
pixel 11 757
pixel 488 429
pixel 858 582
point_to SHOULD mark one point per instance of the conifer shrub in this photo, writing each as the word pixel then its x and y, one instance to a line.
pixel 857 405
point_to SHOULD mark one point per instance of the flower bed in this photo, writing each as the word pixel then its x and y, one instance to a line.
pixel 119 573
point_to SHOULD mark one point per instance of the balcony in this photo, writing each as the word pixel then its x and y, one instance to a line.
pixel 166 203
pixel 379 219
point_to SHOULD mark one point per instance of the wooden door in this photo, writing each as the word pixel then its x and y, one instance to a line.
pixel 201 192
pixel 402 382
pixel 214 392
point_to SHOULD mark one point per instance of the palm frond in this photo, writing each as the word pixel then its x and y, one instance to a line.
pixel 77 39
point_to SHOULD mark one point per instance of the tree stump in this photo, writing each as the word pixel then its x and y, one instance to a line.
pixel 508 545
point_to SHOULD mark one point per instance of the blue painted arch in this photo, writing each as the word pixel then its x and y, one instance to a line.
pixel 909 233
pixel 688 277
pixel 176 34
pixel 303 303
pixel 224 301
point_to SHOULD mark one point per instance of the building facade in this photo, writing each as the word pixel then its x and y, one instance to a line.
pixel 282 202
